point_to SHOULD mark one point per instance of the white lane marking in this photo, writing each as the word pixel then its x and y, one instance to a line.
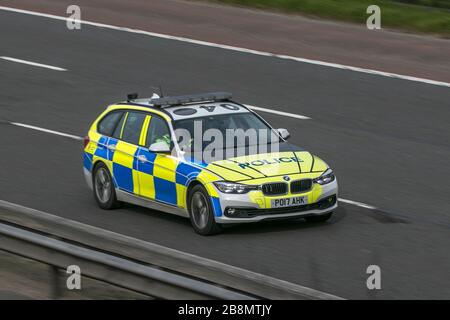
pixel 31 63
pixel 281 113
pixel 46 130
pixel 233 48
pixel 358 204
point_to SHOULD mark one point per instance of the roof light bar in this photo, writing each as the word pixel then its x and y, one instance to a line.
pixel 194 98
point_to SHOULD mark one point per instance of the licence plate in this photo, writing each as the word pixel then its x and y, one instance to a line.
pixel 289 202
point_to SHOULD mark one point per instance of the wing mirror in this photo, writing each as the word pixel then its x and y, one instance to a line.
pixel 159 147
pixel 284 133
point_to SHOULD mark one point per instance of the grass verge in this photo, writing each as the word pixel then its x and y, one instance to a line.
pixel 394 14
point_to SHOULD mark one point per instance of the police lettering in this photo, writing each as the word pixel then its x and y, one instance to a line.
pixel 257 163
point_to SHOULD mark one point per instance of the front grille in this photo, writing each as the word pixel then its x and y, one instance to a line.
pixel 272 189
pixel 300 186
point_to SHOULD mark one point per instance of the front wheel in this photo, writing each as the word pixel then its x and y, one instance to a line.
pixel 201 213
pixel 104 191
pixel 321 218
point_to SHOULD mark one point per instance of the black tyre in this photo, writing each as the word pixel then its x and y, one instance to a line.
pixel 104 191
pixel 201 212
pixel 321 218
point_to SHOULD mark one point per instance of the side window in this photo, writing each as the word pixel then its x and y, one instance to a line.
pixel 118 130
pixel 133 127
pixel 158 131
pixel 107 125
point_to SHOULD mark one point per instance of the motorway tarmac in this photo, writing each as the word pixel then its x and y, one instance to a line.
pixel 295 35
pixel 387 139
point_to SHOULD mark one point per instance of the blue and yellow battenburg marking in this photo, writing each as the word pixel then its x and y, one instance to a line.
pixel 161 177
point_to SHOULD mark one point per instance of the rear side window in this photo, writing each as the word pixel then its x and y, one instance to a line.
pixel 107 125
pixel 133 127
pixel 118 130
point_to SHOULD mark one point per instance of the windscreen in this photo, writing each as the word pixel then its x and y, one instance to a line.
pixel 243 131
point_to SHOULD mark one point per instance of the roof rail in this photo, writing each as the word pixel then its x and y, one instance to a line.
pixel 193 98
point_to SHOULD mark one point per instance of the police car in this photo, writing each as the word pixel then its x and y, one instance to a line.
pixel 194 156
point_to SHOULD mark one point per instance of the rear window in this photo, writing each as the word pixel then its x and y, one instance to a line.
pixel 107 125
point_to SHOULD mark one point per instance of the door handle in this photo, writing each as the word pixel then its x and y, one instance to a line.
pixel 112 147
pixel 142 158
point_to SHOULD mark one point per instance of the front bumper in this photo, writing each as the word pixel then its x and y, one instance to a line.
pixel 256 207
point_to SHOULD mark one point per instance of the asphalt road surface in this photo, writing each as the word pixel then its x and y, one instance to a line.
pixel 387 139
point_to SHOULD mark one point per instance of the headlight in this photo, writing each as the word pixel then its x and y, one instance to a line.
pixel 231 187
pixel 325 178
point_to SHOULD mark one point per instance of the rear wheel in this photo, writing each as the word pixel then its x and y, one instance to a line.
pixel 201 213
pixel 104 191
pixel 321 218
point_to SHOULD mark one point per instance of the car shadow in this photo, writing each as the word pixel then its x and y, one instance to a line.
pixel 282 225
pixel 244 228
pixel 173 218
